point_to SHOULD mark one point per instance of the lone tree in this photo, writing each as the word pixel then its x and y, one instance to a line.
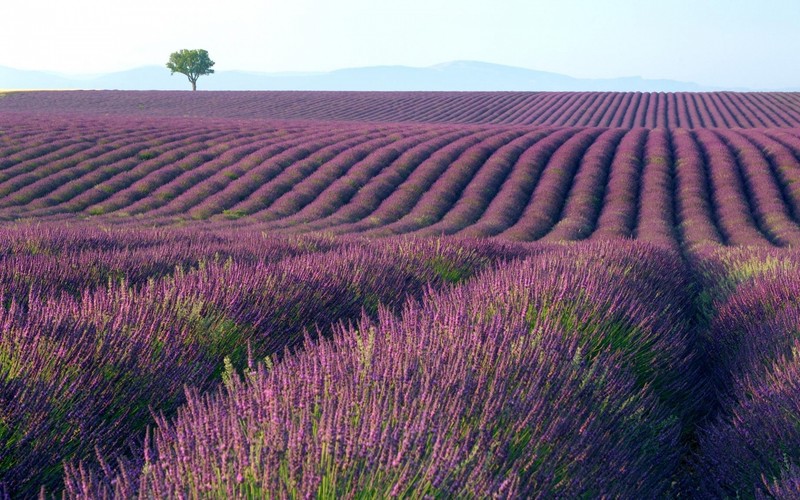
pixel 192 63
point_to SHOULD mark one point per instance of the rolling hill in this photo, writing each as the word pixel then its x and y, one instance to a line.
pixel 451 76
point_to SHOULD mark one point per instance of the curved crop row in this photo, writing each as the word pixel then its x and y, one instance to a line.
pixel 675 187
pixel 546 203
pixel 656 218
pixel 383 183
pixel 415 183
pixel 584 201
pixel 750 447
pixel 82 374
pixel 617 218
pixel 465 394
pixel 442 194
pixel 769 205
pixel 311 187
pixel 484 185
pixel 185 192
pixel 694 196
pixel 731 192
pixel 339 191
pixel 506 207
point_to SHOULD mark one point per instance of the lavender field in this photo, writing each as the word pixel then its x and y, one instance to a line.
pixel 294 294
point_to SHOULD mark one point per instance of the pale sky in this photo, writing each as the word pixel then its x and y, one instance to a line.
pixel 746 43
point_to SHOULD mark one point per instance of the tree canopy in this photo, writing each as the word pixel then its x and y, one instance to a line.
pixel 192 63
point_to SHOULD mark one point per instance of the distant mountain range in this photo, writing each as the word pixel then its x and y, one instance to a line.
pixel 452 76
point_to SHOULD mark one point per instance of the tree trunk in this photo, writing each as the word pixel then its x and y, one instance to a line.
pixel 194 85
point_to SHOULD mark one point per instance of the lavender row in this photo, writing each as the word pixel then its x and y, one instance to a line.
pixel 678 188
pixel 546 203
pixel 514 385
pixel 584 201
pixel 415 184
pixel 313 185
pixel 258 168
pixel 158 189
pixel 383 183
pixel 442 194
pixel 696 207
pixel 770 206
pixel 340 192
pixel 484 186
pixel 617 218
pixel 83 360
pixel 750 446
pixel 732 194
pixel 507 206
pixel 83 374
pixel 730 110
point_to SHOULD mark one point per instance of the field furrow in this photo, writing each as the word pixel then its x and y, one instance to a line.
pixel 438 198
pixel 546 203
pixel 383 183
pixel 583 202
pixel 730 193
pixel 508 204
pixel 483 186
pixel 405 196
pixel 657 218
pixel 620 207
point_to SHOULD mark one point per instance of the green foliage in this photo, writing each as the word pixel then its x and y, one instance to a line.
pixel 449 270
pixel 233 214
pixel 192 63
pixel 229 373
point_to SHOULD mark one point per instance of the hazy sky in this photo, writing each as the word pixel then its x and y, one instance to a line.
pixel 748 43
